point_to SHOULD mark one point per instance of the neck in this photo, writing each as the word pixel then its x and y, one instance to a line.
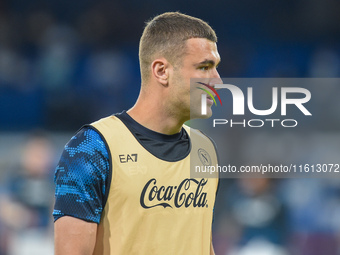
pixel 152 113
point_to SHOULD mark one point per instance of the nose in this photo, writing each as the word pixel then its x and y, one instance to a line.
pixel 216 79
pixel 216 74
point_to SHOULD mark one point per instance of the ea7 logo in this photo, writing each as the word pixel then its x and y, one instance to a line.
pixel 128 158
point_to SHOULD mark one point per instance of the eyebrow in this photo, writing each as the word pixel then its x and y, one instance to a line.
pixel 208 62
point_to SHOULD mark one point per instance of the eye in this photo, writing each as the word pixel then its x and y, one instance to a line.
pixel 204 68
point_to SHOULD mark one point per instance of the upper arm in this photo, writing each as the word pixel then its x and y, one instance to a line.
pixel 82 177
pixel 82 182
pixel 73 236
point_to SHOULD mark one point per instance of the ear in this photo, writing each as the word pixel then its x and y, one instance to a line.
pixel 160 70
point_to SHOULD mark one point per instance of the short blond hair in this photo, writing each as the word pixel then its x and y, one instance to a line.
pixel 166 35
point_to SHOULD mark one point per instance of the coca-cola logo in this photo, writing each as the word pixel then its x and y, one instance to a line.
pixel 153 195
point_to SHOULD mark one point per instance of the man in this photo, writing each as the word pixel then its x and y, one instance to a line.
pixel 123 183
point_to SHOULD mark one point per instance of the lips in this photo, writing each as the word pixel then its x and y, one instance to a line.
pixel 209 92
pixel 212 93
pixel 210 98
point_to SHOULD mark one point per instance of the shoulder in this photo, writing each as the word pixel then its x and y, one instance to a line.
pixel 86 141
pixel 196 133
pixel 198 136
pixel 85 154
pixel 106 122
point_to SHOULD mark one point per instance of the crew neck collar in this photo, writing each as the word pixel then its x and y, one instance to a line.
pixel 126 118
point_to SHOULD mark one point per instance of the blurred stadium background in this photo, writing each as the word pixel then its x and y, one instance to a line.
pixel 67 63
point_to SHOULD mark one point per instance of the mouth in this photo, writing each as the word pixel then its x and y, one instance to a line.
pixel 210 100
pixel 210 93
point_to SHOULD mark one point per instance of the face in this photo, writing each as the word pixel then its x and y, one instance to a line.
pixel 200 62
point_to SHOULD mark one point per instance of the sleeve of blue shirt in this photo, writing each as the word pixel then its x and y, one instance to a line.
pixel 82 177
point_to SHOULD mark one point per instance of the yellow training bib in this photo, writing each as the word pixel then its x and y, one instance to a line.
pixel 153 205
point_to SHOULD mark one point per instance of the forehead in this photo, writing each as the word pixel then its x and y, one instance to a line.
pixel 199 49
